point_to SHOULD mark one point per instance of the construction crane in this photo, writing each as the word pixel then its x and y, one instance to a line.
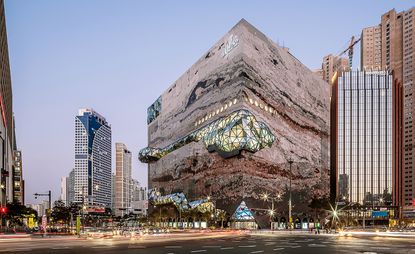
pixel 350 50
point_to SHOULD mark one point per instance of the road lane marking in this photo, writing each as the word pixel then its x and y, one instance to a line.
pixel 278 249
pixel 247 246
pixel 270 243
pixel 258 251
pixel 136 247
pixel 316 245
pixel 173 247
pixel 226 248
pixel 195 251
pixel 211 246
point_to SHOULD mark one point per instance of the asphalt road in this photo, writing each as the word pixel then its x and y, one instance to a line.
pixel 227 243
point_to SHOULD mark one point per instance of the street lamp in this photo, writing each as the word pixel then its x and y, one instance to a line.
pixel 335 216
pixel 265 196
pixel 289 200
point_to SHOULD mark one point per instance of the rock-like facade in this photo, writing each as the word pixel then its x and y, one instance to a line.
pixel 244 71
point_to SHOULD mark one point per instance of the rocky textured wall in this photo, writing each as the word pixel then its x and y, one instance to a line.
pixel 280 91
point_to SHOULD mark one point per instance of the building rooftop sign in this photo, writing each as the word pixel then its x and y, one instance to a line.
pixel 232 43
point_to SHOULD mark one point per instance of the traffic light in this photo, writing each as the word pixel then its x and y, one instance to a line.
pixel 3 210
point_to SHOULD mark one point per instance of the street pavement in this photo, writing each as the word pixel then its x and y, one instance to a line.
pixel 215 242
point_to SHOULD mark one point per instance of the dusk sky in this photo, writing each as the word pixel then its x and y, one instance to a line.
pixel 118 56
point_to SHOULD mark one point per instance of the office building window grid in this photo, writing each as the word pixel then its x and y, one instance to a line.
pixel 365 137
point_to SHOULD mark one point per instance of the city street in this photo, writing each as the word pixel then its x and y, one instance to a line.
pixel 223 242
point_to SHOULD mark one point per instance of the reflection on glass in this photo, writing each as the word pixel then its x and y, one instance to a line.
pixel 364 136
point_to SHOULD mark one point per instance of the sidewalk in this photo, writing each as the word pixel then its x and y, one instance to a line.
pixel 338 233
pixel 12 236
pixel 290 232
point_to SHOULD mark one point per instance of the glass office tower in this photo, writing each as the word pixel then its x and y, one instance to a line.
pixel 364 137
pixel 92 170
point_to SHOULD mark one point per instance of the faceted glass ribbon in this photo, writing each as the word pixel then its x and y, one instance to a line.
pixel 228 136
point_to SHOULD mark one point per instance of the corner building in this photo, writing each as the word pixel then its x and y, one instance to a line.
pixel 229 125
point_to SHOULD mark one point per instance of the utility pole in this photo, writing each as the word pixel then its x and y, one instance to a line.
pixel 289 199
pixel 49 194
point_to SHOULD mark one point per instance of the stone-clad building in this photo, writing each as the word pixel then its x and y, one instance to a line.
pixel 229 125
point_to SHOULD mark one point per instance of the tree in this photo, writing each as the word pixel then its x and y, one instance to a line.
pixel 16 212
pixel 319 204
pixel 61 213
pixel 221 216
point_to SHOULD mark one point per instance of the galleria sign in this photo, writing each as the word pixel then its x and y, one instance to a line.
pixel 232 43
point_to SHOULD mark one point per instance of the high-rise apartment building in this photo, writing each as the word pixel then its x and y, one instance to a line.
pixel 92 171
pixel 122 179
pixel 364 129
pixel 332 64
pixel 397 40
pixel 371 48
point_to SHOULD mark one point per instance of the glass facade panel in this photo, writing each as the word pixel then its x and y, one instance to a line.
pixel 364 137
pixel 228 136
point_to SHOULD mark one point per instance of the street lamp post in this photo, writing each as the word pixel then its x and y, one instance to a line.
pixel 289 199
pixel 271 212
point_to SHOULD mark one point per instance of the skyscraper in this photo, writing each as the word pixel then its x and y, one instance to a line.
pixel 64 190
pixel 363 137
pixel 92 169
pixel 139 202
pixel 138 192
pixel 397 40
pixel 6 122
pixel 70 187
pixel 122 179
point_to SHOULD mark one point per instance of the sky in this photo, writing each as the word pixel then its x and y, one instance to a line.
pixel 118 56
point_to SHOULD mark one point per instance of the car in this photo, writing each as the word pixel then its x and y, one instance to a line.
pixel 99 233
